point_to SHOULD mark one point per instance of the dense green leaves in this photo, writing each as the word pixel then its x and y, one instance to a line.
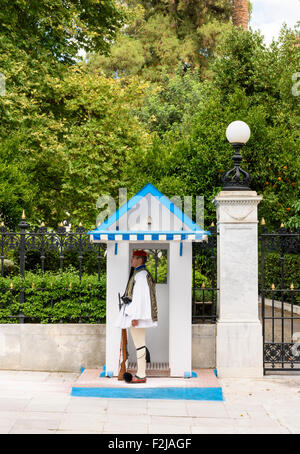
pixel 50 298
pixel 64 131
pixel 164 34
pixel 60 28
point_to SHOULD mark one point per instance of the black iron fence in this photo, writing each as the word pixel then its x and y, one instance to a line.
pixel 204 280
pixel 280 298
pixel 51 276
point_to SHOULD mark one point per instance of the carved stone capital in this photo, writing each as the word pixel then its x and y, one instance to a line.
pixel 237 207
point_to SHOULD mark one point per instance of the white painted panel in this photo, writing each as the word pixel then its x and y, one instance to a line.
pixel 180 288
pixel 117 276
pixel 137 217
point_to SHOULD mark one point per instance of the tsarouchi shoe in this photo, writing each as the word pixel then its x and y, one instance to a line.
pixel 133 378
pixel 136 379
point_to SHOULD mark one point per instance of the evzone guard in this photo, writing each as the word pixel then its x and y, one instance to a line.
pixel 138 311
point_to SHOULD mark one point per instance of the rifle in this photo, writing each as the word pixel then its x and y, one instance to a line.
pixel 124 354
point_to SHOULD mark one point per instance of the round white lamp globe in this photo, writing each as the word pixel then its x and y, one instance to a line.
pixel 238 132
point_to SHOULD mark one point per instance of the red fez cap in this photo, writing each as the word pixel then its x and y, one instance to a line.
pixel 140 253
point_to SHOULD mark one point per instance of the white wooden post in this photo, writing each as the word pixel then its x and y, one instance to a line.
pixel 116 280
pixel 180 307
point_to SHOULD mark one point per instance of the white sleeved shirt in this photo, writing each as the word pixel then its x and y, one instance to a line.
pixel 140 306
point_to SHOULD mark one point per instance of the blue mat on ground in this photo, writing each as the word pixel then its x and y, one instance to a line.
pixel 214 394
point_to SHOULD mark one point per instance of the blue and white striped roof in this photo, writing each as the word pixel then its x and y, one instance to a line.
pixel 107 232
pixel 158 235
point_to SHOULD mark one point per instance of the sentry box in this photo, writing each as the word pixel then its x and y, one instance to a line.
pixel 151 221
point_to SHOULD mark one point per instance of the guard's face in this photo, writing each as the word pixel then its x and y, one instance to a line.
pixel 136 261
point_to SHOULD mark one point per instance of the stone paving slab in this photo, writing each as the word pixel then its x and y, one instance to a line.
pixel 44 404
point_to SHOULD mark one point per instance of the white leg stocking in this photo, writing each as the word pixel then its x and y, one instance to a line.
pixel 139 338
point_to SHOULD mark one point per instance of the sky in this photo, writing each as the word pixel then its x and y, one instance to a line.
pixel 269 15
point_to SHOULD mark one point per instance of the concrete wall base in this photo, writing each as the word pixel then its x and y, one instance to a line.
pixel 69 347
pixel 204 346
pixel 53 347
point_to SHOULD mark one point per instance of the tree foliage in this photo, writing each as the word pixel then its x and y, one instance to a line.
pixel 63 162
pixel 163 34
pixel 57 121
pixel 59 28
pixel 71 131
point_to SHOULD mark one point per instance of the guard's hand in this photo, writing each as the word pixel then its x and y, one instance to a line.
pixel 134 322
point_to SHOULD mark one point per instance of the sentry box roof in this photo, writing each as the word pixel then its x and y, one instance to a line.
pixel 148 216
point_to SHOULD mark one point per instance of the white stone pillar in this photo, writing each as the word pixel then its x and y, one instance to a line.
pixel 239 341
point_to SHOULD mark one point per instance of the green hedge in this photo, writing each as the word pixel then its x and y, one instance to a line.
pixel 50 298
pixel 89 263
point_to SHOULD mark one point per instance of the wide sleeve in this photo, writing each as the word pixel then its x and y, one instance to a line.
pixel 140 307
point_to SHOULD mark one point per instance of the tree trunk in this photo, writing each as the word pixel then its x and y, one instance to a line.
pixel 240 13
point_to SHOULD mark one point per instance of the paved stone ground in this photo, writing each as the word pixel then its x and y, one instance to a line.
pixel 40 402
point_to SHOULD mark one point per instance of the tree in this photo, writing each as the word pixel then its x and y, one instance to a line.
pixel 240 13
pixel 175 99
pixel 162 35
pixel 60 28
pixel 72 159
pixel 39 43
pixel 17 192
pixel 98 130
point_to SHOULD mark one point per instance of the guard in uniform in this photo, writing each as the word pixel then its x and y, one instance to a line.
pixel 139 311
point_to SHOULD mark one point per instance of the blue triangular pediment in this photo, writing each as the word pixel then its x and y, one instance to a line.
pixel 148 189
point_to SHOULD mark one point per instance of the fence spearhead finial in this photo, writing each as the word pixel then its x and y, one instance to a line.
pixel 273 286
pixel 262 222
pixel 11 285
pixel 292 286
pixel 23 215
